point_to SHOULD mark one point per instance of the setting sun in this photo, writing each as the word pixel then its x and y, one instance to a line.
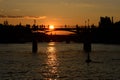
pixel 51 27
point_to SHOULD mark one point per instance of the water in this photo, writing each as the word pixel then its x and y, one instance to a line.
pixel 59 61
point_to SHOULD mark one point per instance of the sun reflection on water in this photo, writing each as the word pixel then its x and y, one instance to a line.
pixel 52 61
pixel 51 44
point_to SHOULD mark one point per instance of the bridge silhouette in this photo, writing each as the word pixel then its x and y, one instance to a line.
pixel 81 34
pixel 76 29
pixel 86 39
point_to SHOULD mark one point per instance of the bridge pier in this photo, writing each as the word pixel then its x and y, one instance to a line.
pixel 34 43
pixel 68 40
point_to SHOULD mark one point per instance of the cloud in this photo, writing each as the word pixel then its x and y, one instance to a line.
pixel 35 17
pixel 43 17
pixel 24 17
pixel 10 16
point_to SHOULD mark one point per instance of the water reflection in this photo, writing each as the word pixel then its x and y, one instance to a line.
pixel 52 62
pixel 51 44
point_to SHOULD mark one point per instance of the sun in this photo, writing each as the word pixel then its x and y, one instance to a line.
pixel 51 27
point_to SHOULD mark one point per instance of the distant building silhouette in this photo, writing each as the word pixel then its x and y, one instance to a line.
pixel 105 22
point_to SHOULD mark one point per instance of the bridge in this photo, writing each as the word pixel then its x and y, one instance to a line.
pixel 77 30
pixel 81 34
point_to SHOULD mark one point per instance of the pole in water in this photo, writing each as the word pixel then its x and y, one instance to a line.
pixel 88 58
pixel 34 44
pixel 87 49
pixel 87 44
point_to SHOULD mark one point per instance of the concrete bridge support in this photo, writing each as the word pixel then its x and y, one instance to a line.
pixel 34 43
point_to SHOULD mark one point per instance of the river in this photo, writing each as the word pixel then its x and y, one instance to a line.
pixel 59 61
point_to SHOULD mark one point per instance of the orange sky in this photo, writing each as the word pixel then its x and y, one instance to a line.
pixel 58 12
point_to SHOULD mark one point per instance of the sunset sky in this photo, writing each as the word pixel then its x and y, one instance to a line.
pixel 58 12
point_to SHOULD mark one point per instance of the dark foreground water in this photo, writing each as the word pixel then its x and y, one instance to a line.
pixel 59 61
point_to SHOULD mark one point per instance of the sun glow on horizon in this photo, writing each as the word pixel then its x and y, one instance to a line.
pixel 51 27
